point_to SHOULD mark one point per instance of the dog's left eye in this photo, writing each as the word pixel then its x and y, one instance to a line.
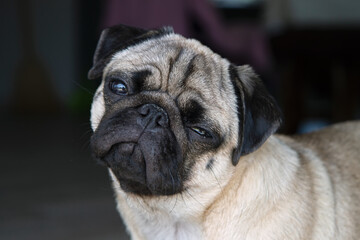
pixel 118 87
pixel 201 132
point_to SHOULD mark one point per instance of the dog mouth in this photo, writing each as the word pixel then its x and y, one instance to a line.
pixel 139 174
pixel 128 165
pixel 145 167
pixel 145 157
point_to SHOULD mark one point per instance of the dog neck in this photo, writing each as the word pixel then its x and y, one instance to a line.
pixel 158 217
pixel 259 188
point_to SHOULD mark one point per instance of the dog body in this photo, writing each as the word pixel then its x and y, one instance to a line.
pixel 187 138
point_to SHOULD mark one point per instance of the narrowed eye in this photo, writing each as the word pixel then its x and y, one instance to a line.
pixel 118 87
pixel 201 132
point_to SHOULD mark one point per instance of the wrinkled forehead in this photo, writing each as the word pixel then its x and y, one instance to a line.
pixel 173 63
pixel 165 48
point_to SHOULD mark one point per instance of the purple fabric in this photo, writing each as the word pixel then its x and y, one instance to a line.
pixel 241 43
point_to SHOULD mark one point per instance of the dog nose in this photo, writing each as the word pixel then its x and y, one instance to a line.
pixel 154 115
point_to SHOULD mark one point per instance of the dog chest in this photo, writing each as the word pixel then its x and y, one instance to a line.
pixel 169 229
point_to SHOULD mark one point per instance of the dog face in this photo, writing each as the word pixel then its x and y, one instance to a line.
pixel 169 112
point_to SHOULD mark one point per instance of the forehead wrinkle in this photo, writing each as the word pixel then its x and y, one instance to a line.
pixel 167 62
pixel 201 84
pixel 215 83
pixel 171 64
pixel 195 95
pixel 188 72
pixel 172 61
pixel 221 83
pixel 205 72
pixel 216 78
pixel 178 63
pixel 160 72
pixel 178 54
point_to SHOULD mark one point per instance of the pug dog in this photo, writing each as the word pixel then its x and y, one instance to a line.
pixel 188 139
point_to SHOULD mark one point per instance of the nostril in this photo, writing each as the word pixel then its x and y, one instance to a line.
pixel 152 113
pixel 161 120
pixel 144 110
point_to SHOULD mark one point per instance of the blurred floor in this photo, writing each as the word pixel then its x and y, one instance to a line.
pixel 50 188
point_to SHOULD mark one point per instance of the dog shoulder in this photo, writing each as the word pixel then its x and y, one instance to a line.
pixel 337 147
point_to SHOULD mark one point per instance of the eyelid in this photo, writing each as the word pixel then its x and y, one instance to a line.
pixel 208 133
pixel 201 131
pixel 119 77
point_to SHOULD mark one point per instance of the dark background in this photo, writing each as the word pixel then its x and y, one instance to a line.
pixel 50 188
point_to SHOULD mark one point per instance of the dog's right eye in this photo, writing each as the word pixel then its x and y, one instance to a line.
pixel 118 87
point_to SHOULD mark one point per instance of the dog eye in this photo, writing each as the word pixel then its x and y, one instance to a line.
pixel 118 87
pixel 201 132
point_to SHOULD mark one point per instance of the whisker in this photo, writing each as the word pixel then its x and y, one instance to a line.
pixel 187 191
pixel 176 199
pixel 83 88
pixel 217 180
pixel 173 186
pixel 182 197
pixel 172 181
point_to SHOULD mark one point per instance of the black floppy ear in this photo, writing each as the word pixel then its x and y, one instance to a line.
pixel 258 113
pixel 117 38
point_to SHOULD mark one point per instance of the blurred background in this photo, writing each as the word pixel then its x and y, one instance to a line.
pixel 307 53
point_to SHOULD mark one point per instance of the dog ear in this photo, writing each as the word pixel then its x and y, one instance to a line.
pixel 118 38
pixel 258 113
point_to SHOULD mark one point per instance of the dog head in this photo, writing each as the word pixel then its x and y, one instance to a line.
pixel 169 110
